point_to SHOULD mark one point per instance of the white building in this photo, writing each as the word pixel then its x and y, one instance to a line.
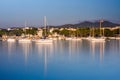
pixel 39 32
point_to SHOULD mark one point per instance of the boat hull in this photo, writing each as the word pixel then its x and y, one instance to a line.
pixel 11 40
pixel 24 40
pixel 97 39
pixel 44 41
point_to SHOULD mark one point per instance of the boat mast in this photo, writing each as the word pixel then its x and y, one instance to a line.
pixel 100 27
pixel 25 27
pixel 45 25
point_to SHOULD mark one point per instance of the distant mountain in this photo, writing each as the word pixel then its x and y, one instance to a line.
pixel 84 24
pixel 91 24
pixel 106 24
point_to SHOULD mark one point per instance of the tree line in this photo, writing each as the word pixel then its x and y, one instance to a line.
pixel 79 32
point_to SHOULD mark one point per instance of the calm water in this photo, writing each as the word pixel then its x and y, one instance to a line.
pixel 62 60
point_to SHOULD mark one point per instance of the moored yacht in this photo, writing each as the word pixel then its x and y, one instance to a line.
pixel 118 38
pixel 76 39
pixel 45 40
pixel 73 39
pixel 11 40
pixel 100 39
pixel 24 40
pixel 68 38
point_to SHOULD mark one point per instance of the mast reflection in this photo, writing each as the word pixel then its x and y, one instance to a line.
pixel 46 51
pixel 97 47
pixel 92 49
pixel 102 46
pixel 74 47
pixel 26 47
pixel 11 47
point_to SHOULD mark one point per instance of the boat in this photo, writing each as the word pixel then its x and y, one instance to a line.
pixel 117 38
pixel 73 39
pixel 11 40
pixel 98 39
pixel 76 39
pixel 68 38
pixel 44 40
pixel 24 40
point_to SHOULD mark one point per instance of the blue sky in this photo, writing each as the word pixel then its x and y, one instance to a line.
pixel 14 13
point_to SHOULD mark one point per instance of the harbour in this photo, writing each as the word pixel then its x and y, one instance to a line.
pixel 59 40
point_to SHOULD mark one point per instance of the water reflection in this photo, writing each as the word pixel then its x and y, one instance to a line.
pixel 26 49
pixel 102 48
pixel 97 48
pixel 74 47
pixel 46 51
pixel 119 46
pixel 11 46
pixel 92 49
pixel 66 59
pixel 113 47
pixel 60 47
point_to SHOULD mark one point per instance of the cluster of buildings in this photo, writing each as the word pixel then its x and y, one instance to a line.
pixel 40 32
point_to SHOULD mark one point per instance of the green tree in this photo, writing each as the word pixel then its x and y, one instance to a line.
pixel 32 31
pixel 64 32
pixel 17 32
pixel 56 31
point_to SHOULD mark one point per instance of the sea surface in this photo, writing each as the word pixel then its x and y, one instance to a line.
pixel 62 60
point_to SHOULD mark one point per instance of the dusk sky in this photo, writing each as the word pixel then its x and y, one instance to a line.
pixel 14 13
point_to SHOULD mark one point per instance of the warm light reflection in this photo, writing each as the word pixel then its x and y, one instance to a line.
pixel 70 48
pixel 45 50
pixel 11 47
pixel 61 46
pixel 92 49
pixel 74 47
pixel 102 46
pixel 97 47
pixel 119 47
pixel 26 47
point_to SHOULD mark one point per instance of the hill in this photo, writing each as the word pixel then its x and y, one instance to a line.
pixel 90 24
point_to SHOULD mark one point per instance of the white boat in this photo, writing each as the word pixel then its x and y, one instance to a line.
pixel 25 40
pixel 11 40
pixel 111 37
pixel 44 41
pixel 53 38
pixel 68 38
pixel 73 39
pixel 97 39
pixel 76 39
pixel 88 38
pixel 118 38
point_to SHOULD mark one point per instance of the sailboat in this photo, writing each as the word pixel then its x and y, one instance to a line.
pixel 11 40
pixel 45 40
pixel 25 39
pixel 99 39
pixel 74 38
